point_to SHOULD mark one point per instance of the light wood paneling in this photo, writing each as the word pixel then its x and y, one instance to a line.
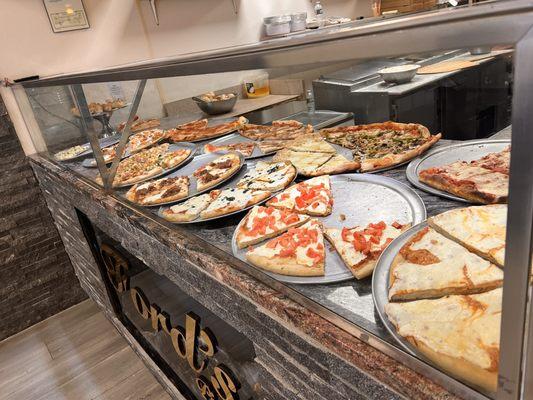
pixel 76 354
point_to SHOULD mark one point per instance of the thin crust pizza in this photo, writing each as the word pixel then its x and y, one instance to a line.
pixel 279 130
pixel 190 209
pixel 382 145
pixel 360 247
pixel 298 252
pixel 233 199
pixel 461 334
pixel 484 181
pixel 311 197
pixel 271 176
pixel 144 139
pixel 245 148
pixel 216 171
pixel 430 265
pixel 480 229
pixel 159 191
pixel 263 223
pixel 144 124
pixel 198 130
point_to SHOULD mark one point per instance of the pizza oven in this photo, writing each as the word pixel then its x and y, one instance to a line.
pixel 467 104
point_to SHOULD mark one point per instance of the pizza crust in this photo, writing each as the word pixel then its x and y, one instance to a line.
pixel 285 266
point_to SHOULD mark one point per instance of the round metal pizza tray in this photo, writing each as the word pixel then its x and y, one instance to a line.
pixel 358 199
pixel 105 142
pixel 380 285
pixel 189 169
pixel 171 147
pixel 236 138
pixel 466 151
pixel 229 184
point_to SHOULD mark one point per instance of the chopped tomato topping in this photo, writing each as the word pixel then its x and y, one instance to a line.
pixel 346 235
pixel 268 210
pixel 274 200
pixel 397 225
pixel 380 225
pixel 285 196
pixel 287 252
pixel 315 255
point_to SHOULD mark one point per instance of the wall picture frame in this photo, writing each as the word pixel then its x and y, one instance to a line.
pixel 66 15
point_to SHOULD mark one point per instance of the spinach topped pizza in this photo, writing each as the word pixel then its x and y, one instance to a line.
pixel 382 145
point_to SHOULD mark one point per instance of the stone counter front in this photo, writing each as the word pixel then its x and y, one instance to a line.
pixel 296 352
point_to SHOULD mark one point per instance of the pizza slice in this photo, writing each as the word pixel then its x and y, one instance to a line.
pixel 480 229
pixel 271 145
pixel 430 265
pixel 196 124
pixel 360 247
pixel 307 164
pixel 234 199
pixel 311 143
pixel 271 176
pixel 311 197
pixel 338 164
pixel 298 252
pixel 262 223
pixel 144 124
pixel 461 334
pixel 245 148
pixel 159 191
pixel 173 158
pixel 470 182
pixel 190 209
pixel 497 162
pixel 216 171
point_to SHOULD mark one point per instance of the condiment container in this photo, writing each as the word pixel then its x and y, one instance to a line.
pixel 256 85
pixel 298 21
pixel 277 25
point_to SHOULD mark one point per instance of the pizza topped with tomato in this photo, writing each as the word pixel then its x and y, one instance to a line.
pixel 262 223
pixel 298 252
pixel 360 247
pixel 311 197
pixel 144 139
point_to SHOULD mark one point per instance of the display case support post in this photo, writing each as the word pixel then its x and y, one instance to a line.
pixel 126 132
pixel 87 128
pixel 515 378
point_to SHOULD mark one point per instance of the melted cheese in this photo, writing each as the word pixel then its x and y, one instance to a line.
pixel 481 227
pixel 192 206
pixel 457 267
pixel 466 328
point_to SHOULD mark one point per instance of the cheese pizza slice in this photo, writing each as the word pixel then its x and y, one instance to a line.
pixel 360 247
pixel 298 252
pixel 431 265
pixel 272 176
pixel 263 223
pixel 480 229
pixel 234 199
pixel 189 210
pixel 311 197
pixel 461 334
pixel 313 143
pixel 306 163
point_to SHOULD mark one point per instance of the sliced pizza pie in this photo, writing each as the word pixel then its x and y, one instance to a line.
pixel 217 171
pixel 468 181
pixel 271 176
pixel 307 164
pixel 461 334
pixel 245 148
pixel 480 229
pixel 298 252
pixel 144 139
pixel 262 223
pixel 159 191
pixel 190 209
pixel 496 162
pixel 234 199
pixel 360 247
pixel 430 265
pixel 311 197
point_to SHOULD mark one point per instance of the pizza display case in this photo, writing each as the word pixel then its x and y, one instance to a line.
pixel 211 325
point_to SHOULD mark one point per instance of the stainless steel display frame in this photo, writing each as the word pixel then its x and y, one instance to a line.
pixel 499 22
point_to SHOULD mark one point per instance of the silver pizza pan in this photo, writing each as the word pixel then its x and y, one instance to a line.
pixel 172 147
pixel 189 169
pixel 105 142
pixel 358 199
pixel 229 184
pixel 380 284
pixel 466 151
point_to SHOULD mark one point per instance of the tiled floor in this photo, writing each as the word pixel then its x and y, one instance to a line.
pixel 76 354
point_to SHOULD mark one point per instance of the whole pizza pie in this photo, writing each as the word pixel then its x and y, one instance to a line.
pixel 382 145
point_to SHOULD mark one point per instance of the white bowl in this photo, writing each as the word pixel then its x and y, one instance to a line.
pixel 399 73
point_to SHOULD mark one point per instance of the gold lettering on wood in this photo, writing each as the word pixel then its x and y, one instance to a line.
pixel 160 320
pixel 116 267
pixel 177 335
pixel 140 302
pixel 205 388
pixel 224 383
